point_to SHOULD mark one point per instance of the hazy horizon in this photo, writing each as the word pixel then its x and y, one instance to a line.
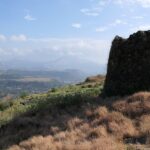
pixel 66 34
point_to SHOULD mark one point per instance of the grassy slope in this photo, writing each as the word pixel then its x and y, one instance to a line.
pixel 75 118
pixel 67 95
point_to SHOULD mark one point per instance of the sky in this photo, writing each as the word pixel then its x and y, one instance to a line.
pixel 47 30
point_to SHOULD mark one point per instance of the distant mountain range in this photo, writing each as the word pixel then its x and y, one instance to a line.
pixel 65 76
pixel 39 75
pixel 59 64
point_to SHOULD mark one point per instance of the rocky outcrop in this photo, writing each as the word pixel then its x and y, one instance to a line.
pixel 128 69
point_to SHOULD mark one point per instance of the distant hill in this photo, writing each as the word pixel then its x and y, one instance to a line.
pixel 14 82
pixel 69 75
pixel 59 64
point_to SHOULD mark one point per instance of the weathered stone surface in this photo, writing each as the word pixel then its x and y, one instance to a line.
pixel 128 69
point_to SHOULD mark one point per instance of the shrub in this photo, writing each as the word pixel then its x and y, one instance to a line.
pixel 23 95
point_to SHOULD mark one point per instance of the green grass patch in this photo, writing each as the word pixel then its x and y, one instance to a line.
pixel 64 96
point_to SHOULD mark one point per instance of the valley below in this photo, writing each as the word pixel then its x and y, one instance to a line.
pixel 14 83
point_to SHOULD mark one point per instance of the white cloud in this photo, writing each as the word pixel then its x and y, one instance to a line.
pixel 111 25
pixel 90 49
pixel 10 52
pixel 47 49
pixel 90 12
pixel 118 22
pixel 76 25
pixel 18 38
pixel 4 52
pixel 28 17
pixel 2 37
pixel 138 17
pixel 143 3
pixel 101 29
pixel 96 8
pixel 141 28
pixel 103 2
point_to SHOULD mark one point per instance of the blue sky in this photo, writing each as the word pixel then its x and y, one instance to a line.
pixel 62 28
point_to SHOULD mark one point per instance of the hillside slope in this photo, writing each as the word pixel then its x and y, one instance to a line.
pixel 76 118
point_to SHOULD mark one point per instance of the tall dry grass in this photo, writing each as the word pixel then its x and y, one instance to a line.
pixel 111 126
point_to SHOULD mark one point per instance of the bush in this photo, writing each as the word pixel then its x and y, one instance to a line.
pixel 23 94
pixel 5 104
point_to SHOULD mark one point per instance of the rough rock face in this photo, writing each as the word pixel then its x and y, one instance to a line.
pixel 128 69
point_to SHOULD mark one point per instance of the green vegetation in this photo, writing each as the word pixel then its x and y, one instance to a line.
pixel 64 96
pixel 23 94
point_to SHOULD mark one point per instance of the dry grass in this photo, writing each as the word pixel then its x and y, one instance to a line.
pixel 115 123
pixel 73 133
pixel 48 143
pixel 95 79
pixel 137 108
pixel 89 127
pixel 144 124
pixel 134 105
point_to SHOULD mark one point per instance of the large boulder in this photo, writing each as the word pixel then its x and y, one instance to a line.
pixel 128 69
